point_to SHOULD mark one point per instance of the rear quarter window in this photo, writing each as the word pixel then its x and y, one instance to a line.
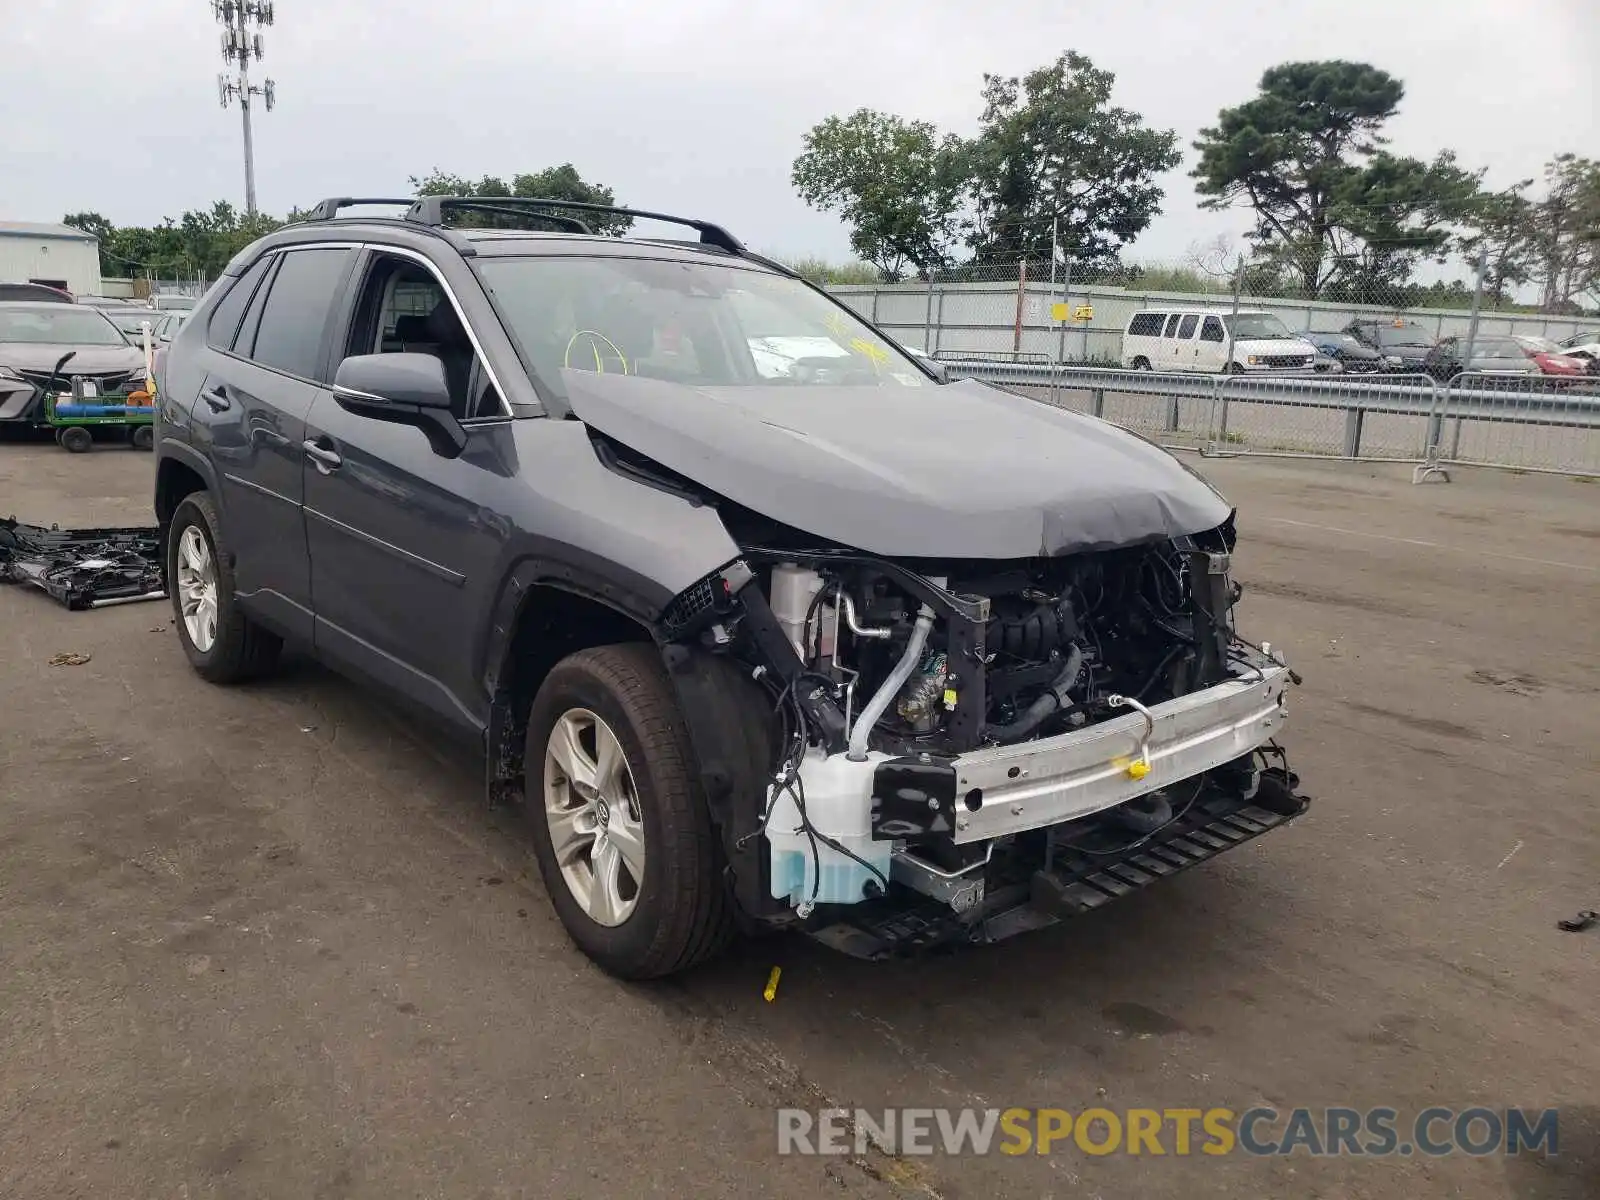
pixel 224 323
pixel 1146 325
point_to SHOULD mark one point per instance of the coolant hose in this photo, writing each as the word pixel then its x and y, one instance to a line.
pixel 890 688
pixel 1055 697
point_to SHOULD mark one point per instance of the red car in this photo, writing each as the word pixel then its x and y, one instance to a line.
pixel 1551 358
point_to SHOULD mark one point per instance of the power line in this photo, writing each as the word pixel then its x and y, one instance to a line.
pixel 239 46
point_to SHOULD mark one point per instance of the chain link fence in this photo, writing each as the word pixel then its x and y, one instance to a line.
pixel 1377 376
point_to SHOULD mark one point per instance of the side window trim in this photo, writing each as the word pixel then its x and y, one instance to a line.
pixel 427 264
pixel 244 338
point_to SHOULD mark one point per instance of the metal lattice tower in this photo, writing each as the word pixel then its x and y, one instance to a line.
pixel 240 45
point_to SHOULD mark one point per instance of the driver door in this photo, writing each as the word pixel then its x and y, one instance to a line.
pixel 403 538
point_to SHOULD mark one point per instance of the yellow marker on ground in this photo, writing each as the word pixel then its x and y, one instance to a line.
pixel 771 992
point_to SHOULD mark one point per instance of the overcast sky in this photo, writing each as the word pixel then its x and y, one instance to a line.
pixel 698 106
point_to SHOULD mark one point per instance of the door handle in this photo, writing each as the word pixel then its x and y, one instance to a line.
pixel 326 459
pixel 217 399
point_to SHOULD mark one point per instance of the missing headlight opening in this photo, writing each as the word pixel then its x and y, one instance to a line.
pixel 969 748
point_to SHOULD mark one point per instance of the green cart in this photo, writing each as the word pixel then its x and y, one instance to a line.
pixel 73 414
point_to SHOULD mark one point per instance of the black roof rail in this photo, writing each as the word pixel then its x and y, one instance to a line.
pixel 429 210
pixel 327 210
pixel 492 204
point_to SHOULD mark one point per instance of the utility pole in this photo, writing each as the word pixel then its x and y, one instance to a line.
pixel 239 46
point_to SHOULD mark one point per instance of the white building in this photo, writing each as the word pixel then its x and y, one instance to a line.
pixel 58 255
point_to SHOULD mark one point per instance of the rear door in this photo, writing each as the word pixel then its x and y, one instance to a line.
pixel 1211 353
pixel 1169 344
pixel 251 416
pixel 1185 355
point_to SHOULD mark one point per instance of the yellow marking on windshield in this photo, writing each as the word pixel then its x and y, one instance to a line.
pixel 871 350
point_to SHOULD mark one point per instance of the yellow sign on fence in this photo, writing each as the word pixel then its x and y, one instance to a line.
pixel 1068 312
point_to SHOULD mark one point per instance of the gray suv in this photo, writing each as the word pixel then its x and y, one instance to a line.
pixel 760 621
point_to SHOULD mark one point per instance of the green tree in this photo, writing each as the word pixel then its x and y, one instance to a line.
pixel 1051 146
pixel 1291 153
pixel 1500 226
pixel 1565 225
pixel 1392 214
pixel 552 183
pixel 898 184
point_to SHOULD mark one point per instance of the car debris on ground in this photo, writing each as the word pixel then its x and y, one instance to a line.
pixel 84 568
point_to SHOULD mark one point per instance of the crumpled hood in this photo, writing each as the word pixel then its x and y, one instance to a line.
pixel 88 360
pixel 961 470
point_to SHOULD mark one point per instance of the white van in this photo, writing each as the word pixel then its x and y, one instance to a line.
pixel 1201 339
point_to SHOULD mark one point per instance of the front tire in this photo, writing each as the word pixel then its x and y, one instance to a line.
pixel 222 644
pixel 620 827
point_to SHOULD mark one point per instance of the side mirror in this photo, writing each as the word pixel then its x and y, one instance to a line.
pixel 407 389
pixel 415 380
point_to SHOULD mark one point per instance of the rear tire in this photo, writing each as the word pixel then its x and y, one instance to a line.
pixel 143 437
pixel 235 648
pixel 671 910
pixel 75 439
pixel 1141 363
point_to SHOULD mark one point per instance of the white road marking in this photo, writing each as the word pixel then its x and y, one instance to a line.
pixel 1510 856
pixel 1475 551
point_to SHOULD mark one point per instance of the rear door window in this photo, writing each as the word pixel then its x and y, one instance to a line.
pixel 1172 326
pixel 296 320
pixel 1186 330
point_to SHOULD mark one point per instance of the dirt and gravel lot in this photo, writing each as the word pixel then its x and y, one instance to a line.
pixel 268 942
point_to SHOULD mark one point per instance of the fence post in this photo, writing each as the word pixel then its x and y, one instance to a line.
pixel 927 316
pixel 1022 291
pixel 874 306
pixel 1353 418
pixel 938 324
pixel 1100 402
pixel 1477 304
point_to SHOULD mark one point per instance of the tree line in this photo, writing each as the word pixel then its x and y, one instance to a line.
pixel 1337 215
pixel 201 242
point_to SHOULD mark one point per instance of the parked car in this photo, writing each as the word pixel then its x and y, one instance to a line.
pixel 1181 339
pixel 38 338
pixel 759 621
pixel 170 303
pixel 132 321
pixel 1585 346
pixel 1549 355
pixel 110 302
pixel 171 322
pixel 1404 345
pixel 34 291
pixel 1347 352
pixel 1492 354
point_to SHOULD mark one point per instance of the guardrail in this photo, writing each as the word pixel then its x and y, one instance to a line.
pixel 1532 423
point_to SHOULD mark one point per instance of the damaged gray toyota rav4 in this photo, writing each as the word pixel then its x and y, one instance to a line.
pixel 761 621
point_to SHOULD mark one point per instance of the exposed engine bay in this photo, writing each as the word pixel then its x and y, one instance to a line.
pixel 970 743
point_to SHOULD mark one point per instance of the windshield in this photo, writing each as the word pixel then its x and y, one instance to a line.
pixel 58 325
pixel 1540 345
pixel 1495 347
pixel 1402 335
pixel 1256 325
pixel 129 319
pixel 696 323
